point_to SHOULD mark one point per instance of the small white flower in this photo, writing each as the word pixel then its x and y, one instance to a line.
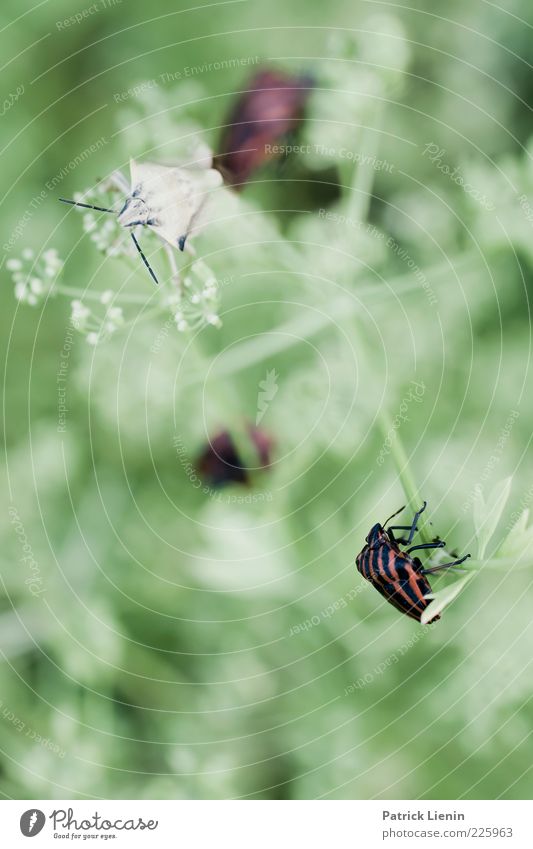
pixel 36 285
pixel 182 325
pixel 89 223
pixel 79 312
pixel 172 300
pixel 31 299
pixel 195 299
pixel 92 338
pixel 115 250
pixel 20 291
pixel 27 253
pixel 214 320
pixel 13 264
pixel 115 315
pixel 106 297
pixel 178 317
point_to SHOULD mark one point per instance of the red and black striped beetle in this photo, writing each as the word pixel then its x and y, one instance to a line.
pixel 400 578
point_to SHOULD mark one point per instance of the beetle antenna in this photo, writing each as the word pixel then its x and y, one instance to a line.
pixel 147 264
pixel 85 205
pixel 384 525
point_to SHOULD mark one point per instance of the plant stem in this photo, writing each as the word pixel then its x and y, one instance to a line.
pixel 72 292
pixel 303 327
pixel 498 564
pixel 401 461
pixel 360 193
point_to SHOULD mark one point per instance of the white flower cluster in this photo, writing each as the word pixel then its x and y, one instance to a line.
pixel 194 302
pixel 197 303
pixel 192 293
pixel 97 328
pixel 34 276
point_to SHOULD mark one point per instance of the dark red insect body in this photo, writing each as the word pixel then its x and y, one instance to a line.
pixel 220 462
pixel 272 108
pixel 400 578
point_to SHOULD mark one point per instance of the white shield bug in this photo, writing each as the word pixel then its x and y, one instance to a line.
pixel 168 199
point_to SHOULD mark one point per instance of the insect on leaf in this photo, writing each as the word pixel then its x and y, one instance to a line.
pixel 488 513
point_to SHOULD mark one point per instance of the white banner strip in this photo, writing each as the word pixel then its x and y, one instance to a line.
pixel 268 824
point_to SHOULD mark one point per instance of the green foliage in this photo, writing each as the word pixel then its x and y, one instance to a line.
pixel 488 513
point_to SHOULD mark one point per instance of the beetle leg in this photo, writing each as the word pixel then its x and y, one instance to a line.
pixel 437 544
pixel 446 566
pixel 175 274
pixel 412 528
pixel 394 539
pixel 401 540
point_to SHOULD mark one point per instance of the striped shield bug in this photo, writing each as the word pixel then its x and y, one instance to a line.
pixel 398 576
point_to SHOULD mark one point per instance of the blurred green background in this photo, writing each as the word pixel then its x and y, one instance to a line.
pixel 191 645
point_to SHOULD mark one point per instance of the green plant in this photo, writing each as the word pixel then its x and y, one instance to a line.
pixel 178 642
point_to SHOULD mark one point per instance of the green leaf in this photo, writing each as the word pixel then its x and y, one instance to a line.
pixel 488 513
pixel 442 598
pixel 519 540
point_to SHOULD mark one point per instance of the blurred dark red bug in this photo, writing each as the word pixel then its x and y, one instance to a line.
pixel 271 108
pixel 400 578
pixel 220 462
